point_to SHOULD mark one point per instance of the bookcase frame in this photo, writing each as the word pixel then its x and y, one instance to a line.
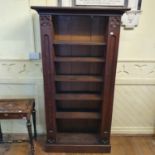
pixel 79 55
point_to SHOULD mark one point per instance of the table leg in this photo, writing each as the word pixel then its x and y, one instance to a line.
pixel 29 128
pixel 34 121
pixel 1 135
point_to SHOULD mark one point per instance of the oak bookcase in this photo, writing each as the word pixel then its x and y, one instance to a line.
pixel 79 55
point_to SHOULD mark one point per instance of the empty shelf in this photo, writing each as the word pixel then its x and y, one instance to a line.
pixel 71 42
pixel 77 115
pixel 78 59
pixel 91 97
pixel 80 78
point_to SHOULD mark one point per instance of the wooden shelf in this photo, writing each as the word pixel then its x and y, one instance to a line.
pixel 78 59
pixel 92 97
pixel 71 42
pixel 77 115
pixel 79 78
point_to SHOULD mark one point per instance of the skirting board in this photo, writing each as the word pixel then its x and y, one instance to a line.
pixel 114 131
pixel 133 130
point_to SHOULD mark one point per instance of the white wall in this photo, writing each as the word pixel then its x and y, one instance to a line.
pixel 134 106
pixel 16 33
pixel 139 44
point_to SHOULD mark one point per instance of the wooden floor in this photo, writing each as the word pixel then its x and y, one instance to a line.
pixel 121 145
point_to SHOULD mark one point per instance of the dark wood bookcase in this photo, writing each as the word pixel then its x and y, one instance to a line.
pixel 79 55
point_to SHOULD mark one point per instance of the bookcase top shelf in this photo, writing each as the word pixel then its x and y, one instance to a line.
pixel 80 10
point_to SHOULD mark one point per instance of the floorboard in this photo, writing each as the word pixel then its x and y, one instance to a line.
pixel 121 145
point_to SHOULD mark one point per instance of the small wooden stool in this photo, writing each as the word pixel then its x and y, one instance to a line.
pixel 19 109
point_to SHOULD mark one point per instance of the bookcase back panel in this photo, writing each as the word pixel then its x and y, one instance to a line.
pixel 79 68
pixel 79 28
pixel 75 106
pixel 79 51
pixel 75 126
pixel 78 87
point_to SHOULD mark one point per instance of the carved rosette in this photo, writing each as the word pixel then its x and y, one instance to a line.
pixel 45 20
pixel 115 22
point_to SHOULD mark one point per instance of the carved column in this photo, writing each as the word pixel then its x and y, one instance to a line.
pixel 113 30
pixel 49 74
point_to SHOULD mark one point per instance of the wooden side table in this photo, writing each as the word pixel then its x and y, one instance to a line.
pixel 19 109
